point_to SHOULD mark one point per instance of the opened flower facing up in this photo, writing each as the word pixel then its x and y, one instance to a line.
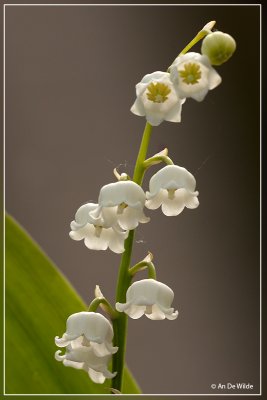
pixel 172 188
pixel 148 297
pixel 97 234
pixel 88 342
pixel 121 203
pixel 157 99
pixel 193 76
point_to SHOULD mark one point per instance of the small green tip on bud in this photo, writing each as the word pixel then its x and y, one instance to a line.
pixel 218 47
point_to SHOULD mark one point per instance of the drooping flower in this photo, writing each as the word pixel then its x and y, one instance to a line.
pixel 172 188
pixel 96 331
pixel 148 297
pixel 88 342
pixel 121 203
pixel 97 233
pixel 157 99
pixel 193 76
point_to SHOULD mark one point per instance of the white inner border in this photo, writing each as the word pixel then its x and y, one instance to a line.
pixel 4 98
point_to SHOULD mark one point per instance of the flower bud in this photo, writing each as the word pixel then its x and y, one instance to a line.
pixel 219 47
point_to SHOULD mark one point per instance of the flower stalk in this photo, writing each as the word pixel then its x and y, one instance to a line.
pixel 124 277
pixel 143 265
pixel 90 339
pixel 105 305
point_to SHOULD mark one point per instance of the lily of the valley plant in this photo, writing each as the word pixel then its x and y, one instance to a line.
pixel 94 342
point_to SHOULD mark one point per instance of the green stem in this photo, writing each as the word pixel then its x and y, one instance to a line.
pixel 194 41
pixel 139 167
pixel 156 160
pixel 143 265
pixel 107 307
pixel 124 278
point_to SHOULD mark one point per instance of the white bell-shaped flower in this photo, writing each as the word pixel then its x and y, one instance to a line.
pixel 83 357
pixel 172 188
pixel 148 297
pixel 97 233
pixel 121 203
pixel 88 329
pixel 193 76
pixel 157 99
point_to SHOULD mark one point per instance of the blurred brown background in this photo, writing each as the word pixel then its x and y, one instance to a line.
pixel 70 77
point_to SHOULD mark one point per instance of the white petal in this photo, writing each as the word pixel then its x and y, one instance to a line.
pixel 62 342
pixel 173 207
pixel 154 120
pixel 200 95
pixel 94 242
pixel 157 314
pixel 174 115
pixel 157 76
pixel 81 233
pixel 96 377
pixel 116 243
pixel 112 349
pixel 138 108
pixel 130 217
pixel 191 200
pixel 135 312
pixel 58 357
pixel 172 316
pixel 82 215
pixel 121 307
pixel 109 216
pixel 214 79
pixel 155 202
pixel 73 364
pixel 101 350
pixel 143 218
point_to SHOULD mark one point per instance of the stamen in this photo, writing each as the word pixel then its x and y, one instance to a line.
pixel 121 207
pixel 191 73
pixel 85 342
pixel 148 309
pixel 158 92
pixel 171 194
pixel 98 230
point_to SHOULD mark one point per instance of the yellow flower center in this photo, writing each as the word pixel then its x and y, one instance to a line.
pixel 190 74
pixel 158 92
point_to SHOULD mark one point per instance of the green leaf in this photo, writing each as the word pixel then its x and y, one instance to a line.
pixel 38 301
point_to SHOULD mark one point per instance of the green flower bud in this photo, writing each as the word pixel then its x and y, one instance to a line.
pixel 219 47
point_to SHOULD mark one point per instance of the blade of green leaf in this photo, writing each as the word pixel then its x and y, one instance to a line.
pixel 38 301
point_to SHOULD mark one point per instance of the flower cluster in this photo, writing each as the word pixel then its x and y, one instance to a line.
pixel 121 205
pixel 160 95
pixel 107 224
pixel 89 336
